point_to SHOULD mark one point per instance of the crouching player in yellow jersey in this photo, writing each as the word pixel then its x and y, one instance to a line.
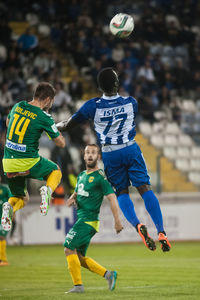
pixel 4 196
pixel 90 190
pixel 26 122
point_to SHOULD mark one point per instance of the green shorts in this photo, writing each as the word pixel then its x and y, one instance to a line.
pixel 79 237
pixel 3 232
pixel 39 171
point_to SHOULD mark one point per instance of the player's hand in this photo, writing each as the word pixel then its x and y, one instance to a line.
pixel 118 226
pixel 71 202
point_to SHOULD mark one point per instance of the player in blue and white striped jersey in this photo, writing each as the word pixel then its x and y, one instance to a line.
pixel 114 123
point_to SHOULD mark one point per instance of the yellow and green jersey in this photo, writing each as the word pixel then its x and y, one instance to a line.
pixel 26 124
pixel 90 189
pixel 4 196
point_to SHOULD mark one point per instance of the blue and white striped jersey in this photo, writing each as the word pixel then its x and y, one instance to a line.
pixel 113 117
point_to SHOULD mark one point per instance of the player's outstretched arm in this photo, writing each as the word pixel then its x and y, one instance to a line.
pixel 60 141
pixel 66 124
pixel 72 200
pixel 115 211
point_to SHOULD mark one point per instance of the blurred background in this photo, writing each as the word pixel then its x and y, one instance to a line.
pixel 67 43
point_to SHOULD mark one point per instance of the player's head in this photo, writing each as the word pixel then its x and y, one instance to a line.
pixel 108 81
pixel 45 92
pixel 91 155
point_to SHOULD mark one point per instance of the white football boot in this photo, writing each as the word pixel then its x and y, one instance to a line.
pixel 76 289
pixel 111 277
pixel 45 193
pixel 6 219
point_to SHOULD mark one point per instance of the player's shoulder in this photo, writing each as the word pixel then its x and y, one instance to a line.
pixel 133 99
pixel 93 101
pixel 101 174
pixel 129 99
pixel 88 109
pixel 25 105
pixel 46 116
pixel 45 113
pixel 96 99
pixel 81 174
pixel 23 102
pixel 18 104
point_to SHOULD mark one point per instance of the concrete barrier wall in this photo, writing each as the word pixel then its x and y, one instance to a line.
pixel 181 214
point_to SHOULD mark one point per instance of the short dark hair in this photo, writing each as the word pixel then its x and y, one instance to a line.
pixel 107 80
pixel 43 91
pixel 93 145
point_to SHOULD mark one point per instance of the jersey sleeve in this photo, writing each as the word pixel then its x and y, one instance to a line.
pixel 105 185
pixel 49 126
pixel 86 112
pixel 135 105
pixel 12 110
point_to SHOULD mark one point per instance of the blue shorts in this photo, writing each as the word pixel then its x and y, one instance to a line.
pixel 125 166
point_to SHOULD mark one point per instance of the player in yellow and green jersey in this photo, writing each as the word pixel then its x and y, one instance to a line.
pixel 26 122
pixel 4 196
pixel 90 190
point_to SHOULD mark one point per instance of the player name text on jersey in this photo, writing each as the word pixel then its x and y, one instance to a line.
pixel 26 113
pixel 113 111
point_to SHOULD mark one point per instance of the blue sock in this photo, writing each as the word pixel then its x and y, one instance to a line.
pixel 127 208
pixel 153 207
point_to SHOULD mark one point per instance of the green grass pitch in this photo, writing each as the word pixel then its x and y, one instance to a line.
pixel 40 272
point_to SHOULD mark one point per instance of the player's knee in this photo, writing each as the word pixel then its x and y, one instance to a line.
pixel 80 256
pixel 59 174
pixel 68 251
pixel 83 260
pixel 143 188
pixel 56 173
pixel 124 191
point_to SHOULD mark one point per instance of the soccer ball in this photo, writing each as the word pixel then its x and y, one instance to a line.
pixel 122 25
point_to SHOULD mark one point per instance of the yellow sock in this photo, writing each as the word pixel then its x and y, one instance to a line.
pixel 13 200
pixel 74 267
pixel 18 205
pixel 3 250
pixel 54 179
pixel 92 265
